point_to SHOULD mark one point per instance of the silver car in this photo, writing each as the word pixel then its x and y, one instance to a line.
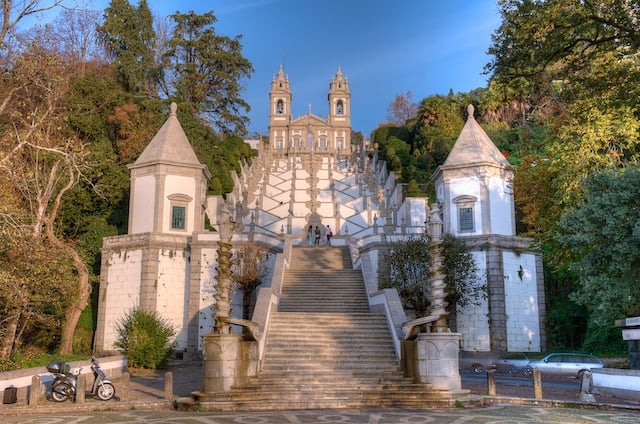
pixel 567 363
pixel 513 363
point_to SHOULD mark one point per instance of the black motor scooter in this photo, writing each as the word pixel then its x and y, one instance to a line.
pixel 66 380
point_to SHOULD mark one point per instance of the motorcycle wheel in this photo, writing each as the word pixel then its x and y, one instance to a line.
pixel 105 391
pixel 61 392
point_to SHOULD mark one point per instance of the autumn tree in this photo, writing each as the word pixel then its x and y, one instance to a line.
pixel 43 160
pixel 401 109
pixel 249 268
pixel 74 36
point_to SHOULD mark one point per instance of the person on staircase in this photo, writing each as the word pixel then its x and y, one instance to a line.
pixel 317 234
pixel 310 235
pixel 329 235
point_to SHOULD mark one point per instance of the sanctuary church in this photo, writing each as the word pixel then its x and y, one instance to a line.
pixel 308 174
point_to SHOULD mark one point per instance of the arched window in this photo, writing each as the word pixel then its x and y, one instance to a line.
pixel 280 107
pixel 323 143
pixel 297 143
pixel 339 107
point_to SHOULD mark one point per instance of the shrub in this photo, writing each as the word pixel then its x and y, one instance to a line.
pixel 145 338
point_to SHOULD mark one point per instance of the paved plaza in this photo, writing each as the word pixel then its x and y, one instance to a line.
pixel 501 414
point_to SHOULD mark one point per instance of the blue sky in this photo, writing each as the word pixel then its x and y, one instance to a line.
pixel 383 47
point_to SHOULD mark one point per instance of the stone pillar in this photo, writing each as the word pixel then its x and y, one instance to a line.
pixel 228 361
pixel 436 360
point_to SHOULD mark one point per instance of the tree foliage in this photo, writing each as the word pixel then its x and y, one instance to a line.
pixel 401 109
pixel 206 70
pixel 145 338
pixel 406 268
pixel 44 160
pixel 128 36
pixel 603 237
pixel 249 268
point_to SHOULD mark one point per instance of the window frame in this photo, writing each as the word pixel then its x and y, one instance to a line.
pixel 465 211
pixel 179 201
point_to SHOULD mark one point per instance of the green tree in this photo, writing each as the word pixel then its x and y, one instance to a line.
pixel 602 236
pixel 406 268
pixel 207 69
pixel 128 36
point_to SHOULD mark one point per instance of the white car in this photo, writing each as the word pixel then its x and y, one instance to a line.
pixel 567 363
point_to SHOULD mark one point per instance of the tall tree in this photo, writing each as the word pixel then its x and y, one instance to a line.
pixel 74 35
pixel 206 70
pixel 129 38
pixel 401 109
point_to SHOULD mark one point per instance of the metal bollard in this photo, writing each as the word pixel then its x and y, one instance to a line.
pixel 34 391
pixel 537 384
pixel 491 382
pixel 168 385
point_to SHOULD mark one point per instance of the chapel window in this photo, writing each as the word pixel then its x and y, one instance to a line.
pixel 465 205
pixel 340 107
pixel 280 107
pixel 179 204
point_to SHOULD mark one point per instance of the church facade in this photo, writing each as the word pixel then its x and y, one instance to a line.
pixel 309 174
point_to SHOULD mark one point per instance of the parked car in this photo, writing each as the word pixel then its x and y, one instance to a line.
pixel 513 363
pixel 567 363
pixel 477 362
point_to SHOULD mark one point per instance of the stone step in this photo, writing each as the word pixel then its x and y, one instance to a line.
pixel 434 399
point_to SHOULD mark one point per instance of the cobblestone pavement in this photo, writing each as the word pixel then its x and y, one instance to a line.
pixel 500 414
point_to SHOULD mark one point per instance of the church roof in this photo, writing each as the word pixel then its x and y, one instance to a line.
pixel 473 147
pixel 169 145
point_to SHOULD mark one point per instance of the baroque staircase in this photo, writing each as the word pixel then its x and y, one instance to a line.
pixel 325 349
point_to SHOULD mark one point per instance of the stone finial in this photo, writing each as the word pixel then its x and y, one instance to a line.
pixel 174 108
pixel 470 110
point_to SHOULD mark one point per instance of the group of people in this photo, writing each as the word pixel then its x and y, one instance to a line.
pixel 314 235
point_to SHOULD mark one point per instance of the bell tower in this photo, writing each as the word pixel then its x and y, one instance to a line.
pixel 340 113
pixel 279 111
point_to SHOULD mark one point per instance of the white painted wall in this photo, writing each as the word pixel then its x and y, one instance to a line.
pixel 175 184
pixel 142 205
pixel 502 219
pixel 123 290
pixel 173 292
pixel 473 320
pixel 521 302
